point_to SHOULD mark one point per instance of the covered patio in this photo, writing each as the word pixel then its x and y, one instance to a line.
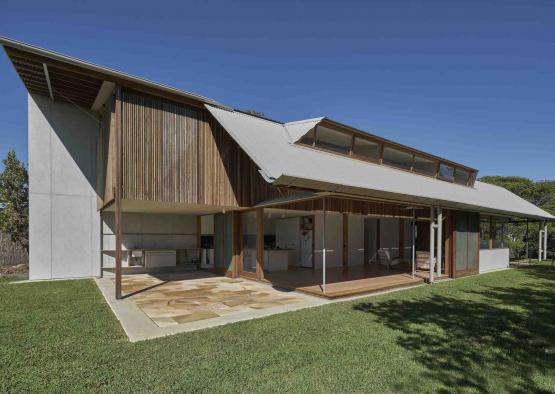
pixel 333 246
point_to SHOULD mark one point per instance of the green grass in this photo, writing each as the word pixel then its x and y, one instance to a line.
pixel 491 333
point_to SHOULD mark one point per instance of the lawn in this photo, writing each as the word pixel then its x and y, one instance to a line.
pixel 491 333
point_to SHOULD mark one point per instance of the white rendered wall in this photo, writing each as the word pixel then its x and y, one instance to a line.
pixel 493 259
pixel 334 239
pixel 64 226
pixel 148 231
pixel 356 240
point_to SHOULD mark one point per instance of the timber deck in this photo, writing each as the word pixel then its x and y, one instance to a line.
pixel 342 282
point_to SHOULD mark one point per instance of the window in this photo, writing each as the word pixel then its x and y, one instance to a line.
pixel 500 238
pixel 351 143
pixel 472 178
pixel 446 172
pixel 485 232
pixel 424 166
pixel 366 149
pixel 461 176
pixel 308 138
pixel 333 140
pixel 397 158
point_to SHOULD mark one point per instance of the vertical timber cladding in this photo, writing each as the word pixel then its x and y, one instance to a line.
pixel 106 156
pixel 173 152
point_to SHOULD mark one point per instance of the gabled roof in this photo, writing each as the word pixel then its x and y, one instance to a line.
pixel 284 163
pixel 270 144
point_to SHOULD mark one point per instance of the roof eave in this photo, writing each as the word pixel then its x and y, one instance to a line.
pixel 292 181
pixel 108 72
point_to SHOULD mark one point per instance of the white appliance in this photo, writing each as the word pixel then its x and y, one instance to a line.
pixel 306 248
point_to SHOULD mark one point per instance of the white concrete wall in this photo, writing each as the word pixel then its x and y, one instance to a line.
pixel 64 226
pixel 356 240
pixel 144 231
pixel 334 241
pixel 493 259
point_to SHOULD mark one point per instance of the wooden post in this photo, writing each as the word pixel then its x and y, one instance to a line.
pixel 118 191
pixel 401 240
pixel 345 240
pixel 236 243
pixel 199 231
pixel 260 243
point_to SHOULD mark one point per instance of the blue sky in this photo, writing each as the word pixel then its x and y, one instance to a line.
pixel 472 81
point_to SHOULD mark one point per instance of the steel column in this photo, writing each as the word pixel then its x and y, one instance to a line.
pixel 432 245
pixel 439 240
pixel 413 241
pixel 324 246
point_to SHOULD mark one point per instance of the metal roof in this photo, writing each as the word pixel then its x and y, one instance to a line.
pixel 89 85
pixel 284 163
pixel 269 143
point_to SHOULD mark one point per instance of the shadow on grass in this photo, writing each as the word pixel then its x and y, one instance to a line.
pixel 492 338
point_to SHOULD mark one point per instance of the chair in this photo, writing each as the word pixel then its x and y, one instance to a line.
pixel 422 260
pixel 384 258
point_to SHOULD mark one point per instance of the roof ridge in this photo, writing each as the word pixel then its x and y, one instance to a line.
pixel 318 118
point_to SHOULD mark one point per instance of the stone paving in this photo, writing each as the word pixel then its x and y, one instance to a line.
pixel 170 300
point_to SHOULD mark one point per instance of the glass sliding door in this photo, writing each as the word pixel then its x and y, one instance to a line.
pixel 371 239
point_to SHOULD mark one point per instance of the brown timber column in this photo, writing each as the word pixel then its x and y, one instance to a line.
pixel 260 243
pixel 118 191
pixel 345 240
pixel 199 231
pixel 236 242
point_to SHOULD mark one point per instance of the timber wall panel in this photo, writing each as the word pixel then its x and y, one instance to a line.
pixel 177 153
pixel 106 164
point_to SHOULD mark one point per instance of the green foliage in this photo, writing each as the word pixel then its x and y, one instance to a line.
pixel 14 200
pixel 542 194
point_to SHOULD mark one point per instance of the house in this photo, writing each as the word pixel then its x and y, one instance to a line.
pixel 127 175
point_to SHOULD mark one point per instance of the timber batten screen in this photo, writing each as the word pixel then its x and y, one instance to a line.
pixel 106 155
pixel 176 153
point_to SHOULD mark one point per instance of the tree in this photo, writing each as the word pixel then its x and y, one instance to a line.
pixel 14 200
pixel 542 194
